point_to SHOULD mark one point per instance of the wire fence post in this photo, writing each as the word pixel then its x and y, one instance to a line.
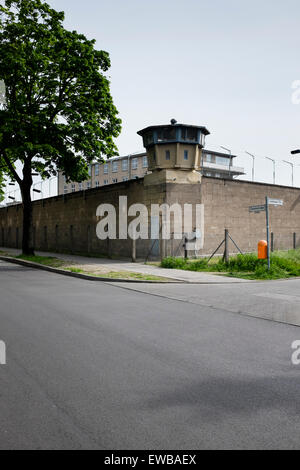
pixel 272 242
pixel 133 251
pixel 226 250
pixel 185 248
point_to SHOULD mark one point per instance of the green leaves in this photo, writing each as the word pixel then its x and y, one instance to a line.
pixel 59 112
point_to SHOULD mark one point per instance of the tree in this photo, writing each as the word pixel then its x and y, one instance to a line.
pixel 59 113
pixel 2 105
pixel 2 183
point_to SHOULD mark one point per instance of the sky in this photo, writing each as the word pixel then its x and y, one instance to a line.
pixel 227 65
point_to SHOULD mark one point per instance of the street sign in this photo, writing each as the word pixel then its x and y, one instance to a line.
pixel 257 209
pixel 275 202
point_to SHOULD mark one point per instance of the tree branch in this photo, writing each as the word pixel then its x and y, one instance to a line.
pixel 11 167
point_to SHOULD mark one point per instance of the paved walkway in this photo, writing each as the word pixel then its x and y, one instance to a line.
pixel 104 265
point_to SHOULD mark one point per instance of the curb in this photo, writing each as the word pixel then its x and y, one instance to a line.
pixel 87 277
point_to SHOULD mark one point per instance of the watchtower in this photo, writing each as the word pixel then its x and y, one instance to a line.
pixel 174 152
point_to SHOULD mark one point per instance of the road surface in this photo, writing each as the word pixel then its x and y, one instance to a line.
pixel 93 365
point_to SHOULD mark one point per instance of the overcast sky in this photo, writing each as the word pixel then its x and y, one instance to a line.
pixel 227 65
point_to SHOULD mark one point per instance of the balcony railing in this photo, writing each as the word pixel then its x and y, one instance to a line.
pixel 216 167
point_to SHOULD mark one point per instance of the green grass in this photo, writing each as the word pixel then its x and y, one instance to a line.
pixel 290 254
pixel 44 260
pixel 120 275
pixel 130 275
pixel 248 266
pixel 74 270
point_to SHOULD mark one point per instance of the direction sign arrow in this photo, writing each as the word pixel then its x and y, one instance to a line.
pixel 275 202
pixel 259 208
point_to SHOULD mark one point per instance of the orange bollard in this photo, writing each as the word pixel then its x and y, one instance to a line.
pixel 262 249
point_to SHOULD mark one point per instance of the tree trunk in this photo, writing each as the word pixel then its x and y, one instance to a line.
pixel 27 241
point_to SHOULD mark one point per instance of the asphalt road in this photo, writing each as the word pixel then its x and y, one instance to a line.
pixel 100 366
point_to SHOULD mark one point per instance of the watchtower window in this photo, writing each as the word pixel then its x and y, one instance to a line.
pixel 166 133
pixel 189 134
pixel 167 154
pixel 148 138
pixel 186 154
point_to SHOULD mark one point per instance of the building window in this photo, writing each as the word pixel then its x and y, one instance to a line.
pixel 90 170
pixel 88 185
pixel 145 162
pixel 222 161
pixel 105 169
pixel 186 154
pixel 65 189
pixel 125 164
pixel 73 188
pixel 168 155
pixel 97 184
pixel 114 167
pixel 105 181
pixel 97 169
pixel 80 186
pixel 125 178
pixel 208 158
pixel 134 163
pixel 115 180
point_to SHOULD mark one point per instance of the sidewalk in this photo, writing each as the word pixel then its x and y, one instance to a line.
pixel 105 265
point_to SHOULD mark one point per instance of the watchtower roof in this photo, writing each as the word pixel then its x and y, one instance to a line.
pixel 203 129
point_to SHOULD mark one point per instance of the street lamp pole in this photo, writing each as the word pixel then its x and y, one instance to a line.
pixel 274 168
pixel 12 198
pixel 39 191
pixel 253 164
pixel 51 179
pixel 292 165
pixel 230 159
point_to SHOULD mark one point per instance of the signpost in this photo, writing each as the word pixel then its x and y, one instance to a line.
pixel 268 231
pixel 265 208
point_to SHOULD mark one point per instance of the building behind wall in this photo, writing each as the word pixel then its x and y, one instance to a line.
pixel 113 171
pixel 121 169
